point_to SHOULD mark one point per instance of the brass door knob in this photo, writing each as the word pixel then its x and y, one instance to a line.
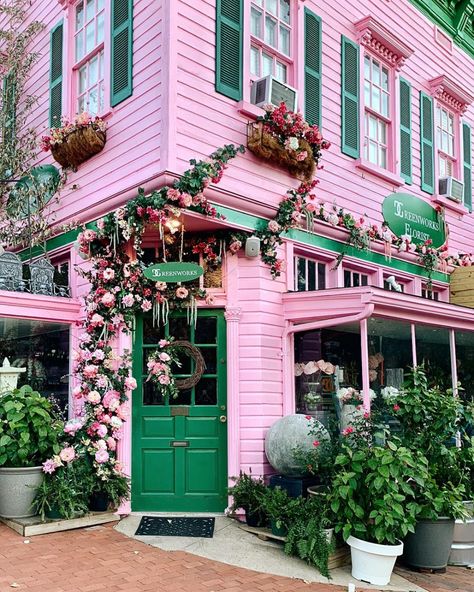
pixel 223 418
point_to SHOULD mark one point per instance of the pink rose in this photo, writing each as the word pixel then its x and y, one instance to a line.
pixel 98 354
pixel 164 379
pixel 109 274
pixel 163 342
pixel 109 397
pixel 67 454
pixel 96 320
pixel 93 397
pixel 90 371
pixel 101 456
pixel 122 411
pixel 273 226
pixel 102 430
pixel 146 305
pixel 108 299
pixel 130 383
pixel 128 300
pixel 164 357
pixel 111 443
pixel 49 466
pixel 181 292
pixel 235 246
pixel 185 200
pixel 160 286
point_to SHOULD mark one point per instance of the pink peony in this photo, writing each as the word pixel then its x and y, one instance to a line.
pixel 67 454
pixel 73 425
pixel 109 397
pixel 98 354
pixel 130 383
pixel 128 300
pixel 122 411
pixel 273 226
pixel 235 246
pixel 164 379
pixel 146 305
pixel 93 397
pixel 108 299
pixel 102 430
pixel 97 320
pixel 101 456
pixel 101 381
pixel 90 371
pixel 116 422
pixel 185 200
pixel 181 292
pixel 111 443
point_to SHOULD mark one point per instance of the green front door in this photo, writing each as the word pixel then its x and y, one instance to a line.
pixel 179 458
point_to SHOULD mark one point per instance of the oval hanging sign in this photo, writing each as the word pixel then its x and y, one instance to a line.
pixel 410 215
pixel 173 272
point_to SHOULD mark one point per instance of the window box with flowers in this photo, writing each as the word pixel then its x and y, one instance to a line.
pixel 75 142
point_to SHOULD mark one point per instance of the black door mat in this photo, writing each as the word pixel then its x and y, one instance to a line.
pixel 176 526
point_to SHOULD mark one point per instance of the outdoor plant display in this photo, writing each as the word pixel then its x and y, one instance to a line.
pixel 285 138
pixel 73 142
pixel 281 509
pixel 29 434
pixel 248 493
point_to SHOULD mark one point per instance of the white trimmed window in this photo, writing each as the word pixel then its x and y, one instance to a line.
pixel 89 35
pixel 310 275
pixel 354 279
pixel 377 116
pixel 270 39
pixel 446 141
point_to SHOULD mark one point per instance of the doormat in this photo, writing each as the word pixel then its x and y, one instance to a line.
pixel 177 526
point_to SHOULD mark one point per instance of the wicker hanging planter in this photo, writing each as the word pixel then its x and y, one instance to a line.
pixel 78 146
pixel 267 146
pixel 213 277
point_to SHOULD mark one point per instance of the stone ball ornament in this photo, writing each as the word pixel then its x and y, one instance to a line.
pixel 288 433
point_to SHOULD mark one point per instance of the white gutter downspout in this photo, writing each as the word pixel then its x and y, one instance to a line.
pixel 289 353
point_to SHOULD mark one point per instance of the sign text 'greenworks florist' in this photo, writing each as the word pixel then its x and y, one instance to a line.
pixel 408 215
pixel 173 272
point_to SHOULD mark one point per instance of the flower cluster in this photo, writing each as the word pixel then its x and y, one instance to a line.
pixel 159 368
pixel 57 135
pixel 314 367
pixel 351 396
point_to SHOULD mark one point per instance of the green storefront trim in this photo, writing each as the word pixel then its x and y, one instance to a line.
pixel 252 222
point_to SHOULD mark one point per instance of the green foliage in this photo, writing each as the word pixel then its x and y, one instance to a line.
pixel 116 487
pixel 248 493
pixel 30 428
pixel 66 491
pixel 280 507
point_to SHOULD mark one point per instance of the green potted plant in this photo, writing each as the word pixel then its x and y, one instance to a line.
pixel 374 497
pixel 64 493
pixel 249 494
pixel 30 428
pixel 280 509
pixel 110 491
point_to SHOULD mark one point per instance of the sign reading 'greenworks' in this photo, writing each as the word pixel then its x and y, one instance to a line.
pixel 173 272
pixel 408 215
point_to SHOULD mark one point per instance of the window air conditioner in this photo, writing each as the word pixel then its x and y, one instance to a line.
pixel 451 188
pixel 269 90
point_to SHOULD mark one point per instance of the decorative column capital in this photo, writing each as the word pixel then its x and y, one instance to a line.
pixel 233 314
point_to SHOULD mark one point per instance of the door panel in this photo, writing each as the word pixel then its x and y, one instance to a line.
pixel 180 446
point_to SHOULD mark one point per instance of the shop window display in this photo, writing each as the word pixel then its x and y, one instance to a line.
pixel 433 352
pixel 465 364
pixel 41 348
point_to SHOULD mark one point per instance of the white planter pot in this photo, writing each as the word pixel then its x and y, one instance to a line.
pixel 17 491
pixel 372 562
pixel 329 532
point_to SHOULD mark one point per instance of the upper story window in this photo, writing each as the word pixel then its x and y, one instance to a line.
pixel 354 279
pixel 377 117
pixel 270 44
pixel 445 141
pixel 89 50
pixel 309 274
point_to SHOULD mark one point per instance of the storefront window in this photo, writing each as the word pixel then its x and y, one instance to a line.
pixel 42 349
pixel 434 354
pixel 326 360
pixel 465 363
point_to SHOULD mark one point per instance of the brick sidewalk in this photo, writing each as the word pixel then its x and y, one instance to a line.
pixel 102 560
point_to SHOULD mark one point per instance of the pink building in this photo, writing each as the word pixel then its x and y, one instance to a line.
pixel 389 84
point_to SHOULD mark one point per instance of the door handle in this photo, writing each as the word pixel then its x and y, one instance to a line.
pixel 223 418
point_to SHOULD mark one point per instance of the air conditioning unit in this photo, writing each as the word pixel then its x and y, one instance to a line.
pixel 270 90
pixel 451 188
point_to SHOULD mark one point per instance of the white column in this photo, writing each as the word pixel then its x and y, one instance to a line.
pixel 232 316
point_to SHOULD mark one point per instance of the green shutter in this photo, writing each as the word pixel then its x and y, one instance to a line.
pixel 312 67
pixel 350 97
pixel 9 111
pixel 427 143
pixel 467 164
pixel 122 51
pixel 229 19
pixel 405 130
pixel 56 76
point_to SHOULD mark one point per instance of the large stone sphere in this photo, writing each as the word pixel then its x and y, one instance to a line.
pixel 285 435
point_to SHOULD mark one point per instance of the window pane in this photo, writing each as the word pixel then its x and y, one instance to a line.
pixel 79 16
pixel 271 6
pixel 376 98
pixel 355 280
pixel 442 167
pixel 270 30
pixel 311 275
pixel 373 152
pixel 83 79
pixel 93 70
pixel 267 62
pixel 376 73
pixel 367 93
pixel 206 329
pixel 450 124
pixel 79 47
pixel 347 278
pixel 384 78
pixel 284 40
pixel 100 5
pixel 93 101
pixel 90 41
pixel 385 104
pixel 101 65
pixel 90 9
pixel 367 67
pixel 280 72
pixel 451 145
pixel 81 106
pixel 444 142
pixel 206 392
pixel 101 97
pixel 285 11
pixel 256 22
pixel 100 28
pixel 382 132
pixel 254 61
pixel 372 127
pixel 383 158
pixel 321 276
pixel 444 119
pixel 364 280
pixel 301 274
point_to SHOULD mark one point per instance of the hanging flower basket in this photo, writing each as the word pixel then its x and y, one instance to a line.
pixel 267 146
pixel 80 145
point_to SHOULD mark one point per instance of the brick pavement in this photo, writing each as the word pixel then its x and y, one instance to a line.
pixel 102 560
pixel 456 579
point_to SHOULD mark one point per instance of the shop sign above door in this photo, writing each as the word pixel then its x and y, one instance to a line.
pixel 408 215
pixel 173 272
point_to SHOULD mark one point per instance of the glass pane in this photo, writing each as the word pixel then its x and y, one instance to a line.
pixel 311 275
pixel 355 280
pixel 100 28
pixel 90 9
pixel 367 67
pixel 151 334
pixel 258 2
pixel 100 5
pixel 444 141
pixel 347 279
pixel 385 78
pixel 367 93
pixel 179 328
pixel 79 46
pixel 270 31
pixel 267 62
pixel 373 152
pixel 285 11
pixel 451 145
pixel 93 106
pixel 101 65
pixel 321 276
pixel 465 364
pixel 280 73
pixel 187 365
pixel 444 119
pixel 385 104
pixel 301 274
pixel 364 280
pixel 271 6
pixel 79 16
pixel 210 358
pixel 183 398
pixel 206 392
pixel 450 124
pixel 376 98
pixel 372 127
pixel 256 22
pixel 376 73
pixel 90 34
pixel 82 79
pixel 93 70
pixel 81 104
pixel 284 40
pixel 433 352
pixel 206 330
pixel 382 132
pixel 442 167
pixel 254 61
pixel 383 158
pixel 101 97
pixel 151 394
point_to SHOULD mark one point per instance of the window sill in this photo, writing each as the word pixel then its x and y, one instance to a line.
pixel 249 110
pixel 368 167
pixel 449 204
